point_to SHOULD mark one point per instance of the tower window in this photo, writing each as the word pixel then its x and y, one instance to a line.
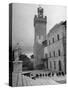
pixel 59 52
pixel 58 36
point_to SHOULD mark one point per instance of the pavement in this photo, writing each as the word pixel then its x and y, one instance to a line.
pixel 40 81
pixel 22 80
pixel 59 79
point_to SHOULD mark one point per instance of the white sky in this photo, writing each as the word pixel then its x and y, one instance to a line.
pixel 23 24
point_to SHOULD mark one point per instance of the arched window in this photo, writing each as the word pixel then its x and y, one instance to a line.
pixel 58 36
pixel 58 52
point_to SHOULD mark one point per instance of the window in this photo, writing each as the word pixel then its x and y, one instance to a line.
pixel 58 52
pixel 54 64
pixel 45 55
pixel 49 42
pixel 53 40
pixel 60 66
pixel 50 54
pixel 50 65
pixel 58 36
pixel 54 53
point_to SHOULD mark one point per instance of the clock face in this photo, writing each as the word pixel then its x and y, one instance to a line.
pixel 39 40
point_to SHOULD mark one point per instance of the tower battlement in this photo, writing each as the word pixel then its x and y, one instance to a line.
pixel 40 17
pixel 40 20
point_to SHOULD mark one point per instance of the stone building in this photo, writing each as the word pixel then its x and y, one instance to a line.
pixel 40 35
pixel 45 59
pixel 56 48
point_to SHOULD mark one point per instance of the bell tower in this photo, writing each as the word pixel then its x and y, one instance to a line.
pixel 40 12
pixel 40 35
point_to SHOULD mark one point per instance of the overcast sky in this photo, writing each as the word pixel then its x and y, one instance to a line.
pixel 23 24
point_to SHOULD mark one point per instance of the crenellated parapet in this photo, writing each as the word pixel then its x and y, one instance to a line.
pixel 40 20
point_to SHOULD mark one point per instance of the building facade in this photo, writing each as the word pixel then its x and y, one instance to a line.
pixel 56 48
pixel 40 35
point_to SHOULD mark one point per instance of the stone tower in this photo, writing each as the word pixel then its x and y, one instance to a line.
pixel 40 36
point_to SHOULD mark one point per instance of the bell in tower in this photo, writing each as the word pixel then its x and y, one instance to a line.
pixel 40 12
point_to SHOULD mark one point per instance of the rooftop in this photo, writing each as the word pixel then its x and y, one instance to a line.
pixel 56 26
